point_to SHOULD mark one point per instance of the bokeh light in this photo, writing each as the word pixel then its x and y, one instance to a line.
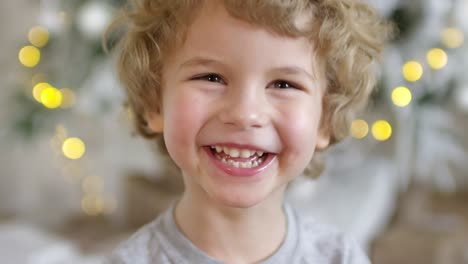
pixel 437 58
pixel 37 78
pixel 381 130
pixel 73 148
pixel 452 38
pixel 38 36
pixel 412 71
pixel 51 97
pixel 57 140
pixel 92 204
pixel 401 96
pixel 60 131
pixel 73 171
pixel 92 184
pixel 359 129
pixel 110 204
pixel 38 89
pixel 68 98
pixel 29 56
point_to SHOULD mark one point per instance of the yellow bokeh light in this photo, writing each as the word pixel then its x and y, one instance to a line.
pixel 73 171
pixel 381 130
pixel 452 38
pixel 359 129
pixel 68 98
pixel 38 36
pixel 37 78
pixel 60 132
pixel 129 114
pixel 29 56
pixel 412 71
pixel 92 184
pixel 92 205
pixel 437 59
pixel 401 96
pixel 51 97
pixel 65 18
pixel 110 204
pixel 73 148
pixel 38 89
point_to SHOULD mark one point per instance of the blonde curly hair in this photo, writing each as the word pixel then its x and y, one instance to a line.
pixel 347 34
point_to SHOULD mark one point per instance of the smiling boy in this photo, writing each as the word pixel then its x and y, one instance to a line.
pixel 243 94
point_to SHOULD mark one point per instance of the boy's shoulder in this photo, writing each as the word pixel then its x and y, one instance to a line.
pixel 144 246
pixel 322 243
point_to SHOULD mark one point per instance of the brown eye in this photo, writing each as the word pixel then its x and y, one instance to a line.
pixel 283 85
pixel 210 78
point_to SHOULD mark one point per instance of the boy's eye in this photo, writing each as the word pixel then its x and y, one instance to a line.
pixel 210 78
pixel 283 85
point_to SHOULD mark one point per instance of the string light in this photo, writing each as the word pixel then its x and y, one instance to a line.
pixel 73 171
pixel 38 36
pixel 401 96
pixel 68 98
pixel 37 78
pixel 57 140
pixel 130 116
pixel 437 58
pixel 51 97
pixel 359 129
pixel 381 130
pixel 92 204
pixel 73 148
pixel 29 56
pixel 92 184
pixel 452 37
pixel 38 89
pixel 110 204
pixel 412 71
pixel 60 132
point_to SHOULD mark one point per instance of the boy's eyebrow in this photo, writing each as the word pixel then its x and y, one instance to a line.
pixel 199 61
pixel 293 70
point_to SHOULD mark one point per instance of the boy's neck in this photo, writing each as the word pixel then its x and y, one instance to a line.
pixel 233 235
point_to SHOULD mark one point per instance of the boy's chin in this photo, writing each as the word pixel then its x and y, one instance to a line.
pixel 240 203
pixel 240 200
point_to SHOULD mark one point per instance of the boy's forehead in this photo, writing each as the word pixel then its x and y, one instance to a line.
pixel 209 11
pixel 257 14
pixel 220 31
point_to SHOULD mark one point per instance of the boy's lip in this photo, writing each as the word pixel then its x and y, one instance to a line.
pixel 250 173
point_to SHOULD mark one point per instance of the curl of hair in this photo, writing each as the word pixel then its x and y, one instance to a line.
pixel 347 34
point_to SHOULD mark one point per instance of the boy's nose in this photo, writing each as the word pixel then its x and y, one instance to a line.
pixel 244 110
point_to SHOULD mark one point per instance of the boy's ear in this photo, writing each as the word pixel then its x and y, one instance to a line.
pixel 323 135
pixel 155 122
pixel 323 139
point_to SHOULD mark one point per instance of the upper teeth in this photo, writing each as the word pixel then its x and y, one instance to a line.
pixel 235 153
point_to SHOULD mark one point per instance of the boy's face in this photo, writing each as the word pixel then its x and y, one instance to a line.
pixel 239 87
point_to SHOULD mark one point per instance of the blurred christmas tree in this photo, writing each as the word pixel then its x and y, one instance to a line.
pixel 68 80
pixel 62 54
pixel 424 79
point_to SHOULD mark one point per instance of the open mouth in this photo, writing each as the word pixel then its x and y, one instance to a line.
pixel 239 158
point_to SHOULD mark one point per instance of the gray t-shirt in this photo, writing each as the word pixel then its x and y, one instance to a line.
pixel 306 242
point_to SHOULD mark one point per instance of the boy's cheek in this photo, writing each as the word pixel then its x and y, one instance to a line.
pixel 183 119
pixel 300 133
